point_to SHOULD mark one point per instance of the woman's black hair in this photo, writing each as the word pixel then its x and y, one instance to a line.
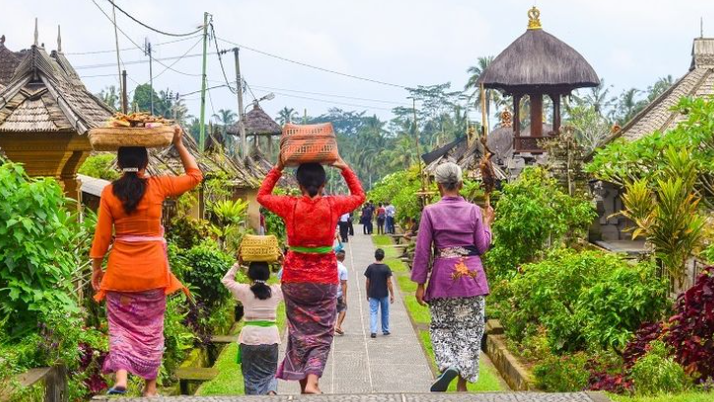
pixel 259 273
pixel 311 176
pixel 130 188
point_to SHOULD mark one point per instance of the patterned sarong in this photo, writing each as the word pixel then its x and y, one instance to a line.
pixel 136 332
pixel 456 330
pixel 311 309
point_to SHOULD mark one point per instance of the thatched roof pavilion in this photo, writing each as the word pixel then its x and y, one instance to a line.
pixel 698 82
pixel 258 124
pixel 45 113
pixel 537 64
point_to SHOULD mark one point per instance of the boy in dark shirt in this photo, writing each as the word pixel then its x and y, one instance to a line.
pixel 380 292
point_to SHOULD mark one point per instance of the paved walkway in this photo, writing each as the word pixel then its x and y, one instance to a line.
pixel 392 397
pixel 359 364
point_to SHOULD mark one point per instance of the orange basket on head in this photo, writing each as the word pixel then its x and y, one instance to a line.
pixel 309 143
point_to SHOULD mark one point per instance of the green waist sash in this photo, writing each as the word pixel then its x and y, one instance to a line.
pixel 257 323
pixel 318 250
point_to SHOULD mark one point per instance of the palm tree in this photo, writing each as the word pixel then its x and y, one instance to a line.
pixel 110 97
pixel 286 115
pixel 225 117
pixel 628 105
pixel 472 84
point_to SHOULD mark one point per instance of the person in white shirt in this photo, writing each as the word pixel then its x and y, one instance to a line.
pixel 341 292
pixel 344 224
pixel 391 212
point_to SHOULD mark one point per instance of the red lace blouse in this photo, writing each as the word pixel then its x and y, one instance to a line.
pixel 310 222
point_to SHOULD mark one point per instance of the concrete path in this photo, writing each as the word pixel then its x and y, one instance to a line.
pixel 359 364
pixel 390 397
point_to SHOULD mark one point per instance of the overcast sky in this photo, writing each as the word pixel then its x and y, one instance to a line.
pixel 405 42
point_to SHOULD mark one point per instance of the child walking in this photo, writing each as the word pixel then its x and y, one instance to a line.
pixel 310 279
pixel 380 292
pixel 259 339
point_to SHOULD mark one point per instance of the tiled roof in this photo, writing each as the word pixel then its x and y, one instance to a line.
pixel 658 115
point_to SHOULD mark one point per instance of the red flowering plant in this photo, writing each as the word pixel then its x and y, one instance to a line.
pixel 691 330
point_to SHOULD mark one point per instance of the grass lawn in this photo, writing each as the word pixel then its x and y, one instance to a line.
pixel 684 397
pixel 230 379
pixel 488 379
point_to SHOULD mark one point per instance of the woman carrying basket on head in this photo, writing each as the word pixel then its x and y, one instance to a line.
pixel 138 277
pixel 309 279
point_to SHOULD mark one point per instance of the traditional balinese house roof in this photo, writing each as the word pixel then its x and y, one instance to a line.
pixel 658 115
pixel 465 155
pixel 257 122
pixel 168 162
pixel 9 61
pixel 45 94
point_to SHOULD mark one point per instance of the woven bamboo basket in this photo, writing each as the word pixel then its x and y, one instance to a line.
pixel 113 138
pixel 256 248
pixel 312 143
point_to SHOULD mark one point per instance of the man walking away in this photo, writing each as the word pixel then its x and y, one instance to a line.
pixel 351 226
pixel 391 213
pixel 367 212
pixel 344 224
pixel 341 292
pixel 380 292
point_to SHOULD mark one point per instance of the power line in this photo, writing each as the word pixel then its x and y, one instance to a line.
pixel 327 70
pixel 152 28
pixel 129 49
pixel 177 60
pixel 329 101
pixel 139 47
pixel 333 95
pixel 220 59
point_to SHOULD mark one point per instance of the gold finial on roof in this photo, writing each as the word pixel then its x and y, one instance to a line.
pixel 534 18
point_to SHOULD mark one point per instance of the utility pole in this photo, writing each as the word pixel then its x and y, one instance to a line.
pixel 202 135
pixel 122 85
pixel 124 98
pixel 147 52
pixel 241 114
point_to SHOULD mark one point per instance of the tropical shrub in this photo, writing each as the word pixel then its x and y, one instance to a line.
pixel 623 162
pixel 37 235
pixel 691 329
pixel 206 265
pixel 401 190
pixel 178 339
pixel 614 306
pixel 657 373
pixel 100 166
pixel 637 347
pixel 583 299
pixel 667 212
pixel 187 232
pixel 228 217
pixel 532 213
pixel 562 373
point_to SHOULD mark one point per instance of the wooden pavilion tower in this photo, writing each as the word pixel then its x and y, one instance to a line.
pixel 258 124
pixel 534 65
pixel 45 113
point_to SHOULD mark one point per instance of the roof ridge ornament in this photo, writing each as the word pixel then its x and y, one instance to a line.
pixel 37 33
pixel 59 39
pixel 534 18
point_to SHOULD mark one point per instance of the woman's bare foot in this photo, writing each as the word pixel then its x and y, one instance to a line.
pixel 461 385
pixel 311 385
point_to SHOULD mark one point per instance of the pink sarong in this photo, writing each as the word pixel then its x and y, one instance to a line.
pixel 136 332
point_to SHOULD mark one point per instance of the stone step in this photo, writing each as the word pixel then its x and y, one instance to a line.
pixel 391 397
